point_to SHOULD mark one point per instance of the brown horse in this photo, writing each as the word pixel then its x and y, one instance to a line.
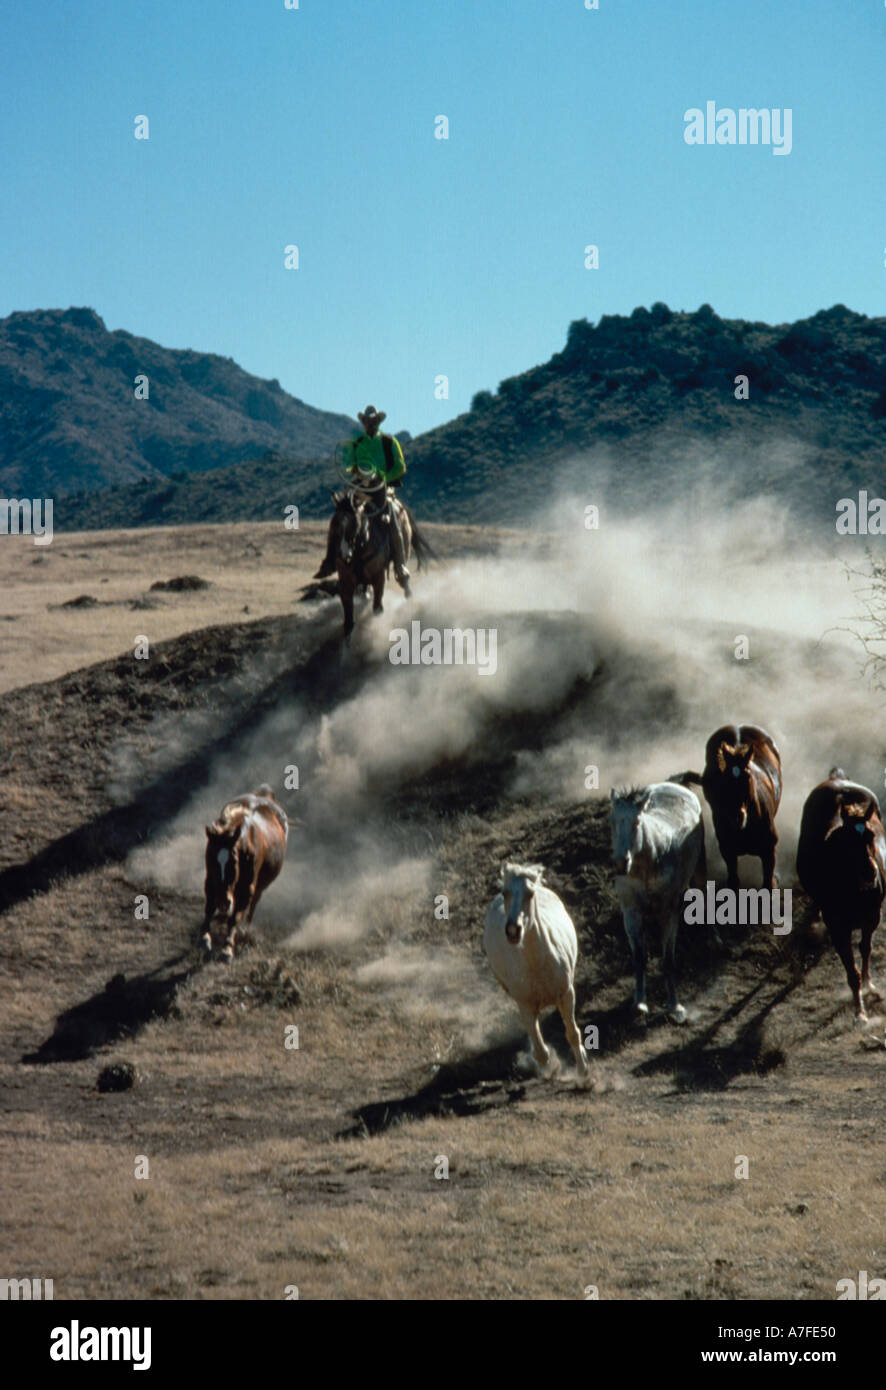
pixel 363 549
pixel 742 786
pixel 841 862
pixel 245 849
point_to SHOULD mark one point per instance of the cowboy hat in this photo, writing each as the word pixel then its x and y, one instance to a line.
pixel 370 413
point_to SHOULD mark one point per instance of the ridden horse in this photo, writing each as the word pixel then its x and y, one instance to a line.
pixel 841 863
pixel 245 849
pixel 531 945
pixel 657 849
pixel 742 786
pixel 363 549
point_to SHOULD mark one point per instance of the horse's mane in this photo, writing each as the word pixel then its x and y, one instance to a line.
pixel 236 812
pixel 512 871
pixel 631 796
pixel 231 819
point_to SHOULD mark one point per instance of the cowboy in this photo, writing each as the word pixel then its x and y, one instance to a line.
pixel 381 455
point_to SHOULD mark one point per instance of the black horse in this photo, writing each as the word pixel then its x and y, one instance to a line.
pixel 363 549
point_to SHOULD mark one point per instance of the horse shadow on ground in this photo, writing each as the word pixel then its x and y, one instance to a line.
pixel 485 1082
pixel 498 1078
pixel 118 1011
pixel 705 1064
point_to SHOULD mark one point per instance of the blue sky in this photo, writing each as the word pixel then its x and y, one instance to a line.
pixel 420 257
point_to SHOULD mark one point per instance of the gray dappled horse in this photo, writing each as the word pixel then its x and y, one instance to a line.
pixel 657 850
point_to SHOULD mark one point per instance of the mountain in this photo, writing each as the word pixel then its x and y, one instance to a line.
pixel 641 411
pixel 70 420
pixel 635 412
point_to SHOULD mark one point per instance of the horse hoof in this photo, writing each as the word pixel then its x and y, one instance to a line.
pixel 641 1015
pixel 227 956
pixel 861 1019
pixel 678 1015
pixel 547 1066
pixel 206 944
pixel 872 993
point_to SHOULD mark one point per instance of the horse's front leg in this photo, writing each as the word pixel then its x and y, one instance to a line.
pixel 676 1012
pixel 633 922
pixel 543 1059
pixel 244 908
pixel 730 857
pixel 227 952
pixel 204 939
pixel 241 896
pixel 867 984
pixel 378 589
pixel 566 1005
pixel 842 939
pixel 346 594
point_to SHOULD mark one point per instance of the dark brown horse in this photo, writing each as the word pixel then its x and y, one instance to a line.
pixel 841 863
pixel 742 786
pixel 363 549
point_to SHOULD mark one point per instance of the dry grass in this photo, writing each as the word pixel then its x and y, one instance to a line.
pixel 253 569
pixel 634 1194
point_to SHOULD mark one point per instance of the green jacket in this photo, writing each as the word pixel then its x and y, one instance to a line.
pixel 381 456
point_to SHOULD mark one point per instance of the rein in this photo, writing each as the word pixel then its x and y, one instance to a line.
pixel 360 501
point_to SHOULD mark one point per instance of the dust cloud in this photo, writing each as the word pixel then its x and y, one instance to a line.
pixel 619 648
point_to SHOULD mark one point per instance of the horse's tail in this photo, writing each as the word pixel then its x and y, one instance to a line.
pixel 686 779
pixel 423 550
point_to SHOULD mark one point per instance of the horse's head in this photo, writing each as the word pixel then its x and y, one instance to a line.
pixel 861 829
pixel 348 523
pixel 736 781
pixel 222 863
pixel 518 888
pixel 627 831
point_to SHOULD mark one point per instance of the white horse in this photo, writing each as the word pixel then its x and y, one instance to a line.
pixel 531 944
pixel 657 849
